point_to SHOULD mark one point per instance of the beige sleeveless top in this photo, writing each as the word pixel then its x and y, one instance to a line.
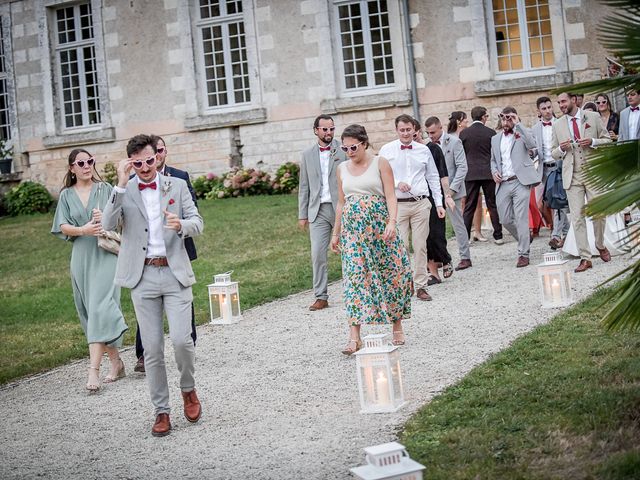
pixel 369 183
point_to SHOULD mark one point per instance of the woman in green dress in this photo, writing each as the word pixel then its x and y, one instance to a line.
pixel 78 219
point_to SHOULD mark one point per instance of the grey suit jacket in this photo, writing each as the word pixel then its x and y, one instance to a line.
pixel 624 133
pixel 521 160
pixel 456 163
pixel 537 133
pixel 310 187
pixel 129 207
pixel 590 126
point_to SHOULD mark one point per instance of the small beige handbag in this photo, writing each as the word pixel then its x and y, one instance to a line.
pixel 110 241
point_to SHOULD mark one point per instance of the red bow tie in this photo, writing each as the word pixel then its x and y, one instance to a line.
pixel 546 124
pixel 142 186
pixel 635 109
pixel 508 132
pixel 404 147
pixel 325 149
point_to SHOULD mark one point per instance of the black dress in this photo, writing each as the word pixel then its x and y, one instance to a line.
pixel 614 123
pixel 437 239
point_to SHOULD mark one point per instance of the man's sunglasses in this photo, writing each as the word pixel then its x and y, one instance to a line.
pixel 353 147
pixel 326 129
pixel 80 163
pixel 138 163
pixel 160 150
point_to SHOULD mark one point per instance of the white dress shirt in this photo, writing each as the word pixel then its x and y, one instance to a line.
pixel 634 118
pixel 547 133
pixel 325 157
pixel 414 166
pixel 506 143
pixel 151 201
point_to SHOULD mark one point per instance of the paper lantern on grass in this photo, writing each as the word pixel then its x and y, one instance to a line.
pixel 379 375
pixel 389 461
pixel 224 300
pixel 554 276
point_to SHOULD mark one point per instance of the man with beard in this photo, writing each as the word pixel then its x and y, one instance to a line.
pixel 317 200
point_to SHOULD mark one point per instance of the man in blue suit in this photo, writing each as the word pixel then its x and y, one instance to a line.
pixel 189 244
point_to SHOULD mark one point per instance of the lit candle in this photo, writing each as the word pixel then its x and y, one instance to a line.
pixel 382 386
pixel 556 293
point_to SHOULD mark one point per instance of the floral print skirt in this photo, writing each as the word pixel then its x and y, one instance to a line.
pixel 376 274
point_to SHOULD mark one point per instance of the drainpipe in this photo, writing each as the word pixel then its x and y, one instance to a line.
pixel 412 67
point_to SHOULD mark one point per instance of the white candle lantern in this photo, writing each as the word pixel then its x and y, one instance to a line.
pixel 224 300
pixel 554 277
pixel 389 461
pixel 379 375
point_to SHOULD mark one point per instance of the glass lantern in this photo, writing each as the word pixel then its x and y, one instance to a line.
pixel 224 300
pixel 554 276
pixel 389 461
pixel 379 375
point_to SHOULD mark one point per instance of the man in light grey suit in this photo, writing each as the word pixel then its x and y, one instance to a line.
pixel 317 200
pixel 157 214
pixel 574 135
pixel 630 118
pixel 543 131
pixel 514 173
pixel 456 159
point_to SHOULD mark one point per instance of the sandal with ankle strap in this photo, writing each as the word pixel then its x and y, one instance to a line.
pixel 352 347
pixel 447 270
pixel 398 338
pixel 120 374
pixel 94 387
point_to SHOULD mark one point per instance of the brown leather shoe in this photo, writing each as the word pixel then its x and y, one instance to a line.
pixel 162 426
pixel 464 264
pixel 584 266
pixel 423 295
pixel 192 407
pixel 556 243
pixel 139 366
pixel 522 262
pixel 319 305
pixel 604 254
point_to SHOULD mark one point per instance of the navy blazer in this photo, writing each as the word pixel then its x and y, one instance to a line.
pixel 189 244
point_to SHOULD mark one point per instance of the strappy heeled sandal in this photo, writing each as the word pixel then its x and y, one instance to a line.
pixel 352 347
pixel 120 374
pixel 447 270
pixel 398 338
pixel 94 387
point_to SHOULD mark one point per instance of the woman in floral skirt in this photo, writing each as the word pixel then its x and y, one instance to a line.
pixel 375 268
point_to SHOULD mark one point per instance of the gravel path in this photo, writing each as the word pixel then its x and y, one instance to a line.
pixel 279 400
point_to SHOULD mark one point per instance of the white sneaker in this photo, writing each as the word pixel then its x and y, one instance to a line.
pixel 499 241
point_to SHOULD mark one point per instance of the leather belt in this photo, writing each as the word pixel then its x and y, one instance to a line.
pixel 512 177
pixel 412 199
pixel 157 261
pixel 550 164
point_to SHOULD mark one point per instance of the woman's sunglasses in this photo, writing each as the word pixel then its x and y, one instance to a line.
pixel 81 163
pixel 138 163
pixel 353 147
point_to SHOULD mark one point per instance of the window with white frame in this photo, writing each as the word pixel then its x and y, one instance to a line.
pixel 76 72
pixel 223 50
pixel 5 125
pixel 365 43
pixel 523 40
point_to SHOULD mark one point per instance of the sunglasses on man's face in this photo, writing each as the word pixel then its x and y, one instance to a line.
pixel 161 150
pixel 327 129
pixel 138 163
pixel 353 147
pixel 81 163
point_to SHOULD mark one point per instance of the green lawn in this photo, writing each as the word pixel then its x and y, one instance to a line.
pixel 563 402
pixel 256 237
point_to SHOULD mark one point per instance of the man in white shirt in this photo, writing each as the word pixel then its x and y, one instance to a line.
pixel 630 118
pixel 543 131
pixel 414 173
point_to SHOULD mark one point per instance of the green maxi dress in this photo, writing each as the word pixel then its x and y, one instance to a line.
pixel 93 269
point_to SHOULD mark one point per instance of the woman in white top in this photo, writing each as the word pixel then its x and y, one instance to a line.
pixel 375 267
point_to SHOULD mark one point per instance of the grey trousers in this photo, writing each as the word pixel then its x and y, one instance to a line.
pixel 512 199
pixel 159 290
pixel 320 234
pixel 462 237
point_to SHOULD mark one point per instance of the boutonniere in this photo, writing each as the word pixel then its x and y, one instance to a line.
pixel 171 201
pixel 332 154
pixel 517 135
pixel 166 187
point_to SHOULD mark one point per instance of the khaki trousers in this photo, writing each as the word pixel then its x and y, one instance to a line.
pixel 414 217
pixel 576 194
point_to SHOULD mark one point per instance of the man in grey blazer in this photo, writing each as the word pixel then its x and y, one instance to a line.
pixel 574 135
pixel 157 214
pixel 630 118
pixel 514 173
pixel 456 160
pixel 317 200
